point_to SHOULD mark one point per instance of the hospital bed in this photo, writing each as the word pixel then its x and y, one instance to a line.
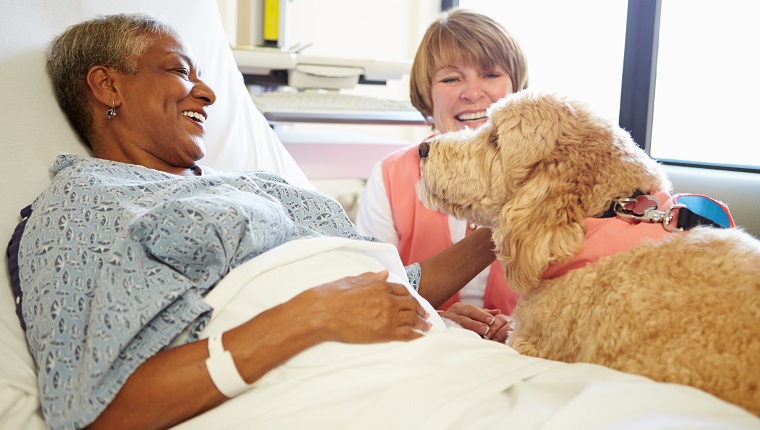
pixel 480 384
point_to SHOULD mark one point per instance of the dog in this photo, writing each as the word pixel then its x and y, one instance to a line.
pixel 604 272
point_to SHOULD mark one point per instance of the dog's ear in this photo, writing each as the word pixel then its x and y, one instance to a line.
pixel 541 225
pixel 542 220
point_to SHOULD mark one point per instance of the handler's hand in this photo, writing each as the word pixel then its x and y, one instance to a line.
pixel 364 309
pixel 488 323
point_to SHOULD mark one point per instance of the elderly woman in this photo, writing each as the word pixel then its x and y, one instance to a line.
pixel 118 253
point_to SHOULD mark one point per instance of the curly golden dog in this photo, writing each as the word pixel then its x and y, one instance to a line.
pixel 588 233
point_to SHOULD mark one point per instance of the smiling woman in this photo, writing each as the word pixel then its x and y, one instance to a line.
pixel 163 131
pixel 105 99
pixel 120 251
pixel 465 62
pixel 131 88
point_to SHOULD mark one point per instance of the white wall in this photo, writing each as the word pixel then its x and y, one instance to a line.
pixel 378 30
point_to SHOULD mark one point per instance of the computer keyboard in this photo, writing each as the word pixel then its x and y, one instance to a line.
pixel 334 107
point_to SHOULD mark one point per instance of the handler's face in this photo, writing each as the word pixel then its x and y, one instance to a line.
pixel 462 94
pixel 164 104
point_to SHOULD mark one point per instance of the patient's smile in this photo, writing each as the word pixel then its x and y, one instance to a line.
pixel 196 116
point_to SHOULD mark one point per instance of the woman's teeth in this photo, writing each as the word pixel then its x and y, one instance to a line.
pixel 194 115
pixel 472 116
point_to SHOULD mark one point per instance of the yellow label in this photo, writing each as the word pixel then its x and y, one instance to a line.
pixel 271 19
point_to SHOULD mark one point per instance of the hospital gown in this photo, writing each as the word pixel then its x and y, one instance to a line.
pixel 115 261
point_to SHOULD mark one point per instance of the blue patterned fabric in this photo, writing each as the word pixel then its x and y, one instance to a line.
pixel 115 260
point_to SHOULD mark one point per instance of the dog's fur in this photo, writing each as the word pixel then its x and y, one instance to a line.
pixel 685 309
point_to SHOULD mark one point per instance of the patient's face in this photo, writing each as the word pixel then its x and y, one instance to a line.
pixel 462 94
pixel 164 107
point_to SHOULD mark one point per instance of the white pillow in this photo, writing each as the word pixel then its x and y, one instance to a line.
pixel 34 131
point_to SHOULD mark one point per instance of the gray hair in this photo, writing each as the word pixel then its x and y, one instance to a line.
pixel 116 41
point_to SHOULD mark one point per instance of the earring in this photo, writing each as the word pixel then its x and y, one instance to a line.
pixel 110 113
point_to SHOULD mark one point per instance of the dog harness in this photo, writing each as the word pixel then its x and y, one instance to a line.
pixel 631 220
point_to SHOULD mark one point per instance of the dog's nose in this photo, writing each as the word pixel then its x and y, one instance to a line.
pixel 424 149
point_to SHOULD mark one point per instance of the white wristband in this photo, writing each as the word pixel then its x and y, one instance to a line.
pixel 221 367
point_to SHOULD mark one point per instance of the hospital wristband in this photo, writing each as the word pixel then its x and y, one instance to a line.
pixel 221 367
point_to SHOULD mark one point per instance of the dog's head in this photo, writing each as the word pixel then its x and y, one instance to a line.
pixel 533 172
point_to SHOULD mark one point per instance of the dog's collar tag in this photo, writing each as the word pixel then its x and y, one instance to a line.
pixel 645 207
pixel 640 205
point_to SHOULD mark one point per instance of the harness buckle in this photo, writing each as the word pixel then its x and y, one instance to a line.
pixel 669 217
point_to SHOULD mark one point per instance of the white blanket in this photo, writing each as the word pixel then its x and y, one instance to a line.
pixel 450 378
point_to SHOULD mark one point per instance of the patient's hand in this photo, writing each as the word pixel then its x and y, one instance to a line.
pixel 488 323
pixel 364 309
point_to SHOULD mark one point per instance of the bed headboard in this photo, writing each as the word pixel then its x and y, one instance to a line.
pixel 34 130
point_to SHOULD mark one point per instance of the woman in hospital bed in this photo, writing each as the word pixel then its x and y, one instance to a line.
pixel 153 290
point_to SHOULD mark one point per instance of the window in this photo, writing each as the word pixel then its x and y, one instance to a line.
pixel 707 92
pixel 573 47
pixel 693 101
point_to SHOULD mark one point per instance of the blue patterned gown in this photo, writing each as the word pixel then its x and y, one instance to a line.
pixel 115 260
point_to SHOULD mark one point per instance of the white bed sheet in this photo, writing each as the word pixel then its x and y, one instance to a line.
pixel 450 378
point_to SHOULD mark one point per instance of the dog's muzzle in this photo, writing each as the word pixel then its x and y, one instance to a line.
pixel 424 149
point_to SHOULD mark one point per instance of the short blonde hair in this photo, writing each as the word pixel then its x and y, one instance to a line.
pixel 468 37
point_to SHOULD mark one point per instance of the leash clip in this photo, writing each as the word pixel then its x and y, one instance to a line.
pixel 644 208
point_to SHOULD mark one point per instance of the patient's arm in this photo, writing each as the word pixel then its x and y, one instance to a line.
pixel 174 385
